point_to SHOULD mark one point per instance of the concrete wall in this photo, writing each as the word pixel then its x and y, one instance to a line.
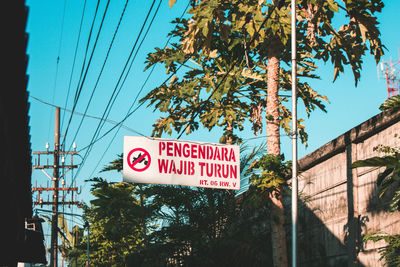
pixel 339 205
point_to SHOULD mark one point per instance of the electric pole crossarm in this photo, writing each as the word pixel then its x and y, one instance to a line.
pixel 58 202
pixel 38 167
pixel 52 152
pixel 52 188
pixel 42 152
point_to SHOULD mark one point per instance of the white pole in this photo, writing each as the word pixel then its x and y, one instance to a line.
pixel 294 138
pixel 88 244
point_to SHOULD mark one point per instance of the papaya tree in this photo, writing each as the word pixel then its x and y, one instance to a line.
pixel 229 64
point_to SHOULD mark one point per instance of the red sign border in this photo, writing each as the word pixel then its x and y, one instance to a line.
pixel 133 166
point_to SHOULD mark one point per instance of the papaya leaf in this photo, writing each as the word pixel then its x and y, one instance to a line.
pixel 392 103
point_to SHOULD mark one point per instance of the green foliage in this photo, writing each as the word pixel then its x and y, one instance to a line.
pixel 116 165
pixel 270 172
pixel 224 46
pixel 388 180
pixel 192 219
pixel 391 252
pixel 225 71
pixel 392 104
pixel 198 225
pixel 72 249
pixel 158 225
pixel 248 159
pixel 117 227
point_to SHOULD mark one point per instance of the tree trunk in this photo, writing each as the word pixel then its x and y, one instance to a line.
pixel 273 140
pixel 278 234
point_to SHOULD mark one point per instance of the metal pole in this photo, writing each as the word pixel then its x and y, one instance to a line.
pixel 88 245
pixel 54 219
pixel 294 137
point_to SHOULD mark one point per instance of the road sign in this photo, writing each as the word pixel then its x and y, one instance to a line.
pixel 178 162
pixel 139 159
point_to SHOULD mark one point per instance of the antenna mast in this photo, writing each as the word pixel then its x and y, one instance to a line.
pixel 391 71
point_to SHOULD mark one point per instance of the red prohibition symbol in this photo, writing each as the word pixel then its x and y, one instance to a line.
pixel 142 157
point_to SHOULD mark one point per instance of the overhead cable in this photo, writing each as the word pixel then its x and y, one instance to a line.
pixel 74 61
pixel 117 124
pixel 114 93
pixel 137 95
pixel 101 71
pixel 79 88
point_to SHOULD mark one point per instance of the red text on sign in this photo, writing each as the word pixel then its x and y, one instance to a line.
pixel 169 166
pixel 218 170
pixel 196 151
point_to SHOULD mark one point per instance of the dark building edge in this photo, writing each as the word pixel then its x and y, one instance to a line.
pixel 16 159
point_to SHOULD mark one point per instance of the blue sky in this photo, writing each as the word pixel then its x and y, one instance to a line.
pixel 53 28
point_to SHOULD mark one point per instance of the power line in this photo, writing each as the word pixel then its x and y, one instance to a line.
pixel 120 124
pixel 137 95
pixel 133 111
pixel 83 76
pixel 197 112
pixel 264 136
pixel 89 116
pixel 74 60
pixel 57 63
pixel 110 130
pixel 102 68
pixel 134 57
pixel 115 93
pixel 128 115
pixel 83 67
pixel 86 51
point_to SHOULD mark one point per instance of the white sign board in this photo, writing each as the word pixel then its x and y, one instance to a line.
pixel 177 162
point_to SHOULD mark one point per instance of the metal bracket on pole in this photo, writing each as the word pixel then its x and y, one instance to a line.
pixel 51 178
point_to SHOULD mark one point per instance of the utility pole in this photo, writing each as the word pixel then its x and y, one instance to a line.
pixel 54 215
pixel 55 188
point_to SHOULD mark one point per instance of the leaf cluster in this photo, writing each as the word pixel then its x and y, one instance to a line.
pixel 223 48
pixel 117 227
pixel 116 165
pixel 260 21
pixel 224 78
pixel 392 104
pixel 389 253
pixel 270 172
pixel 388 180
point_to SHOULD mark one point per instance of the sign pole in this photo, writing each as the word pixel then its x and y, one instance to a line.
pixel 294 137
